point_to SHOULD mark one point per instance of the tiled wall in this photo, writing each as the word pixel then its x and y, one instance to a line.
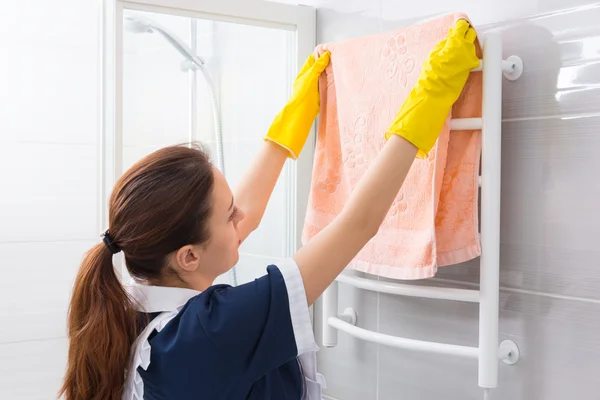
pixel 550 273
pixel 48 173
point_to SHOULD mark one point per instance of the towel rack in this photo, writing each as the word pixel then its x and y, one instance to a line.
pixel 489 351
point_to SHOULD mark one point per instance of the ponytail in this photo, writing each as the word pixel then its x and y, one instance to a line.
pixel 102 327
pixel 159 205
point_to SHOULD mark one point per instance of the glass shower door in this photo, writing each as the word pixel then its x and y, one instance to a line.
pixel 217 75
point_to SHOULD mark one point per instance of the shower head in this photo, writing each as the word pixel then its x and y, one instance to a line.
pixel 140 24
pixel 137 26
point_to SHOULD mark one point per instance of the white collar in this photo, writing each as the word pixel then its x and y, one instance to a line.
pixel 151 299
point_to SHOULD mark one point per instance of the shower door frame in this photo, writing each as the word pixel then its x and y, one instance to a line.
pixel 299 19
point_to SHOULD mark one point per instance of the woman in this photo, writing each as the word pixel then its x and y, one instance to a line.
pixel 179 227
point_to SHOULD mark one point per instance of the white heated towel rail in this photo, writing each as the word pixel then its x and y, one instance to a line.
pixel 489 351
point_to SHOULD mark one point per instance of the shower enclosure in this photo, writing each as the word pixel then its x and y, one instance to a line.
pixel 183 71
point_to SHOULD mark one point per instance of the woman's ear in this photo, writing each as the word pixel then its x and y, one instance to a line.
pixel 188 258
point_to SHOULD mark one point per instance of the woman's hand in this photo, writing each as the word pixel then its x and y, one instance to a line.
pixel 291 126
pixel 443 76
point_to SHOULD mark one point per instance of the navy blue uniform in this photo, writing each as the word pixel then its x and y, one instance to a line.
pixel 233 343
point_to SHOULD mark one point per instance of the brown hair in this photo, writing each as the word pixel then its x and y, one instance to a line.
pixel 159 205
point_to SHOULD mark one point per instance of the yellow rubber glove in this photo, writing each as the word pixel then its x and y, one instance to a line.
pixel 440 83
pixel 291 126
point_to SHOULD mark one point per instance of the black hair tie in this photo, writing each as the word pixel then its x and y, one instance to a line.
pixel 108 241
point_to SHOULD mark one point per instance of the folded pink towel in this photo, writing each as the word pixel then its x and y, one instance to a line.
pixel 433 220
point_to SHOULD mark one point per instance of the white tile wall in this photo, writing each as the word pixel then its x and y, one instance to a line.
pixel 36 292
pixel 32 370
pixel 48 170
pixel 52 89
pixel 47 198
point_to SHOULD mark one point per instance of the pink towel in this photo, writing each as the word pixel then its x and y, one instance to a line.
pixel 433 220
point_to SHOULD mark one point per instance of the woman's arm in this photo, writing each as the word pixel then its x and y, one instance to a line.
pixel 415 128
pixel 328 253
pixel 286 137
pixel 256 186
